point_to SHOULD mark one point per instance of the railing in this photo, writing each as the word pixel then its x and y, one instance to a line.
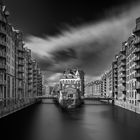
pixel 2 82
pixel 29 62
pixel 30 77
pixel 122 69
pixel 46 97
pixel 123 51
pixel 20 56
pixel 115 67
pixel 2 30
pixel 137 85
pixel 137 50
pixel 2 54
pixel 137 41
pixel 122 75
pixel 29 67
pixel 138 97
pixel 137 75
pixel 20 49
pixel 123 81
pixel 115 75
pixel 2 66
pixel 123 89
pixel 98 98
pixel 85 98
pixel 123 58
pixel 20 76
pixel 122 64
pixel 30 82
pixel 137 59
pixel 3 43
pixel 20 63
pixel 20 87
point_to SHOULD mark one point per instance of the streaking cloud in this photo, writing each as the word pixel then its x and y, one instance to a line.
pixel 90 47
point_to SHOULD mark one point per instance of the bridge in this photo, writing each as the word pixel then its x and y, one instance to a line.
pixel 46 97
pixel 96 98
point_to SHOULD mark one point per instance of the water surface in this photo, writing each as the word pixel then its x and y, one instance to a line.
pixel 93 121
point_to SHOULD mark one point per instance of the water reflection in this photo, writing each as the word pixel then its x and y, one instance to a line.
pixel 90 122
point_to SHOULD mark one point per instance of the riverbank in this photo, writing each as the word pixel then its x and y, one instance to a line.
pixel 10 106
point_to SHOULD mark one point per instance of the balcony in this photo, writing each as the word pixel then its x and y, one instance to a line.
pixel 123 58
pixel 122 75
pixel 34 79
pixel 137 41
pixel 123 64
pixel 124 92
pixel 35 72
pixel 137 67
pixel 29 67
pixel 115 66
pixel 138 86
pixel 20 87
pixel 29 90
pixel 20 49
pixel 2 55
pixel 137 59
pixel 2 66
pixel 137 75
pixel 115 76
pixel 122 69
pixel 29 72
pixel 20 76
pixel 116 85
pixel 138 97
pixel 30 78
pixel 29 62
pixel 2 30
pixel 123 81
pixel 34 82
pixel 3 43
pixel 20 70
pixel 115 90
pixel 30 83
pixel 20 56
pixel 136 30
pixel 137 51
pixel 2 82
pixel 123 51
pixel 20 63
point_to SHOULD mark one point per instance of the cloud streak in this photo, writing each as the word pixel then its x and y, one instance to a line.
pixel 90 47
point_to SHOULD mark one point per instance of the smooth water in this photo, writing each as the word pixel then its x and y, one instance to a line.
pixel 89 122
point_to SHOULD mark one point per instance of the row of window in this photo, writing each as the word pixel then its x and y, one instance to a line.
pixel 131 86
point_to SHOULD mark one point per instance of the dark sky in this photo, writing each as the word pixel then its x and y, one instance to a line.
pixel 75 33
pixel 39 17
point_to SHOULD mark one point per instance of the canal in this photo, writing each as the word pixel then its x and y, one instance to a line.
pixel 90 122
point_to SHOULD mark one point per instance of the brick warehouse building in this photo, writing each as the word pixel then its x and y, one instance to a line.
pixel 126 73
pixel 20 76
